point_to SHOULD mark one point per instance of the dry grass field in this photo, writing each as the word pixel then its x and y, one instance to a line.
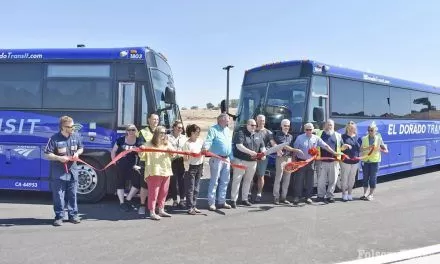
pixel 204 118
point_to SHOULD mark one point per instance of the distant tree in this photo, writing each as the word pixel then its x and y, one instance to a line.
pixel 209 106
pixel 184 108
pixel 233 103
pixel 194 107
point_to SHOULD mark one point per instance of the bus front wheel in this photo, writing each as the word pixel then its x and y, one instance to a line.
pixel 91 183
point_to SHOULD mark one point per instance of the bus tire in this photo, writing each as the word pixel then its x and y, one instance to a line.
pixel 91 183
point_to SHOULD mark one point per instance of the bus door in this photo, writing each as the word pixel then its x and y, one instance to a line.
pixel 132 105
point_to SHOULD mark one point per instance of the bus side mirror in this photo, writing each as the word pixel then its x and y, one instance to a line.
pixel 318 114
pixel 170 95
pixel 223 106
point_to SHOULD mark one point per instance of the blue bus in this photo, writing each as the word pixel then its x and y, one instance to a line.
pixel 102 89
pixel 406 113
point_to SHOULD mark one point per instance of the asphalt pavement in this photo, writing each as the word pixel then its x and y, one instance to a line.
pixel 404 215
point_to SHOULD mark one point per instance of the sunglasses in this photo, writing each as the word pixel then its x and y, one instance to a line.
pixel 308 129
pixel 286 126
pixel 131 129
pixel 70 127
pixel 252 125
pixel 179 127
pixel 370 130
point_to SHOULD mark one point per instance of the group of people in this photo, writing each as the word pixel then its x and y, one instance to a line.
pixel 160 169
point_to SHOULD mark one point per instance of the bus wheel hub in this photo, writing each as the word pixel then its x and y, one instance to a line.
pixel 87 179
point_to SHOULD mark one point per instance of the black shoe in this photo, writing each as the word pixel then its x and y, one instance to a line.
pixel 285 201
pixel 309 201
pixel 295 201
pixel 320 199
pixel 181 205
pixel 330 200
pixel 58 222
pixel 124 207
pixel 130 205
pixel 363 197
pixel 233 204
pixel 75 220
pixel 246 203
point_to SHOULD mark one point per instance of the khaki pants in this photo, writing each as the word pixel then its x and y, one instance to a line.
pixel 328 173
pixel 348 176
pixel 280 175
pixel 247 176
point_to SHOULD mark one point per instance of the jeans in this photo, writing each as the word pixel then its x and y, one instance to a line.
pixel 219 176
pixel 192 184
pixel 64 190
pixel 177 184
pixel 369 170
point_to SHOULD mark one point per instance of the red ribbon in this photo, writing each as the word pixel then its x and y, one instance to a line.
pixel 137 150
pixel 296 165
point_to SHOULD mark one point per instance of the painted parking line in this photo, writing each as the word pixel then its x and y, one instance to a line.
pixel 429 254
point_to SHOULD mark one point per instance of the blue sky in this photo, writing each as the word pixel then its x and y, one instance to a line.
pixel 394 38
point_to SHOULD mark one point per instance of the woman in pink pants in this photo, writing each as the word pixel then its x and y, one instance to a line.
pixel 158 172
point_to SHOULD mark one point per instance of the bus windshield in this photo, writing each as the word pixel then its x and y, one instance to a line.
pixel 167 113
pixel 276 100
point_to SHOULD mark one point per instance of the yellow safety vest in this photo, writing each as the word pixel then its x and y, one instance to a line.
pixel 338 143
pixel 375 155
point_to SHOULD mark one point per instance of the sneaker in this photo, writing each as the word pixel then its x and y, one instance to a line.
pixel 141 210
pixel 309 201
pixel 191 211
pixel 349 197
pixel 246 203
pixel 225 206
pixel 124 207
pixel 181 204
pixel 234 204
pixel 212 207
pixel 162 213
pixel 175 203
pixel 331 200
pixel 197 210
pixel 130 205
pixel 58 222
pixel 276 201
pixel 363 197
pixel 75 220
pixel 345 197
pixel 258 198
pixel 154 217
pixel 370 197
pixel 285 201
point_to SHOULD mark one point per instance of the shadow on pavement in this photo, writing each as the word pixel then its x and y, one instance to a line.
pixel 24 222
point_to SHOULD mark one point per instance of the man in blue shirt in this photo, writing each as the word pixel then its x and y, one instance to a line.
pixel 219 142
pixel 305 175
pixel 64 179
